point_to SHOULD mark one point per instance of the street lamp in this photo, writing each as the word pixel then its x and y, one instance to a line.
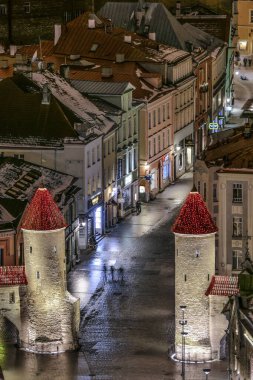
pixel 183 322
pixel 206 371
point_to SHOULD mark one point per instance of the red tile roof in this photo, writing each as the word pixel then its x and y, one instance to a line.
pixel 14 275
pixel 223 286
pixel 194 217
pixel 43 213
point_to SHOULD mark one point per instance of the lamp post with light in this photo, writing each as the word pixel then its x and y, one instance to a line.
pixel 206 372
pixel 183 322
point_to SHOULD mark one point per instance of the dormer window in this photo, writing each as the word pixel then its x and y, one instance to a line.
pixel 94 47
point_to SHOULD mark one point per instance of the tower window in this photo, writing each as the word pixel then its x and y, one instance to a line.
pixel 54 249
pixel 37 275
pixel 197 253
pixel 12 297
pixel 31 249
pixel 27 7
pixel 185 277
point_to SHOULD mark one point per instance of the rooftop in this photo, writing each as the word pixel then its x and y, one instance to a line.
pixel 194 217
pixel 12 276
pixel 42 214
pixel 223 286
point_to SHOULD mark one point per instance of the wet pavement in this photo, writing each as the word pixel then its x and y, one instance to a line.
pixel 127 324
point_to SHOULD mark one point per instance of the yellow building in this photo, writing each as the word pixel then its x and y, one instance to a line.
pixel 245 27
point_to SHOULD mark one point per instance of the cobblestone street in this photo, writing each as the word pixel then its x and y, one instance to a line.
pixel 127 325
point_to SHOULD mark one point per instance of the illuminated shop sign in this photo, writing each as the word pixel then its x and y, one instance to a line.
pixel 213 126
pixel 94 200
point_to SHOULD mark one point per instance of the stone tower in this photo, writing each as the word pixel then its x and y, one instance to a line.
pixel 194 267
pixel 49 314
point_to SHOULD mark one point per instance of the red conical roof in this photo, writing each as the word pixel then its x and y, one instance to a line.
pixel 43 214
pixel 194 217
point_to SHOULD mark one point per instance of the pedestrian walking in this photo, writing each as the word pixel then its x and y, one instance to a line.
pixel 138 207
pixel 104 273
pixel 112 269
pixel 245 61
pixel 121 274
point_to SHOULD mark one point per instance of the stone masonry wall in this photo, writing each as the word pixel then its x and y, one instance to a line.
pixel 49 314
pixel 218 323
pixel 194 267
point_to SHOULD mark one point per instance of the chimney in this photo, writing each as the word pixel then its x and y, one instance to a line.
pixel 178 9
pixel 106 72
pixel 152 36
pixel 128 39
pixel 57 33
pixel 91 24
pixel 64 71
pixel 120 57
pixel 46 94
pixel 13 49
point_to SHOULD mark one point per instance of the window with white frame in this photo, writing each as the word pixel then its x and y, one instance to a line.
pixel 237 259
pixel 237 226
pixel 237 193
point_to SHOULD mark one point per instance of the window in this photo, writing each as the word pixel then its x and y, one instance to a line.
pixel 159 115
pixel 154 118
pixel 159 143
pixel 168 110
pixel 124 130
pixel 135 125
pixel 237 259
pixel 135 159
pixel 214 192
pixel 98 153
pixel 149 149
pixel 164 113
pixel 94 47
pixel 19 156
pixel 31 249
pixel 3 9
pixel 27 7
pixel 12 297
pixel 168 137
pixel 124 164
pixel 119 168
pixel 237 193
pixel 149 120
pixel 237 226
pixel 37 275
pixel 198 187
pixel 204 195
pixel 113 143
pixel 130 162
pixel 93 156
pixel 154 147
pixel 88 159
pixel 251 16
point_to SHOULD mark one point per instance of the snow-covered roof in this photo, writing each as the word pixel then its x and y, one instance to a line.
pixel 82 107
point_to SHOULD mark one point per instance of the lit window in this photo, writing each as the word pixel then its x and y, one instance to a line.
pixel 27 7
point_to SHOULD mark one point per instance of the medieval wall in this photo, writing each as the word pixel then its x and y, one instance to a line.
pixel 218 325
pixel 195 265
pixel 49 314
